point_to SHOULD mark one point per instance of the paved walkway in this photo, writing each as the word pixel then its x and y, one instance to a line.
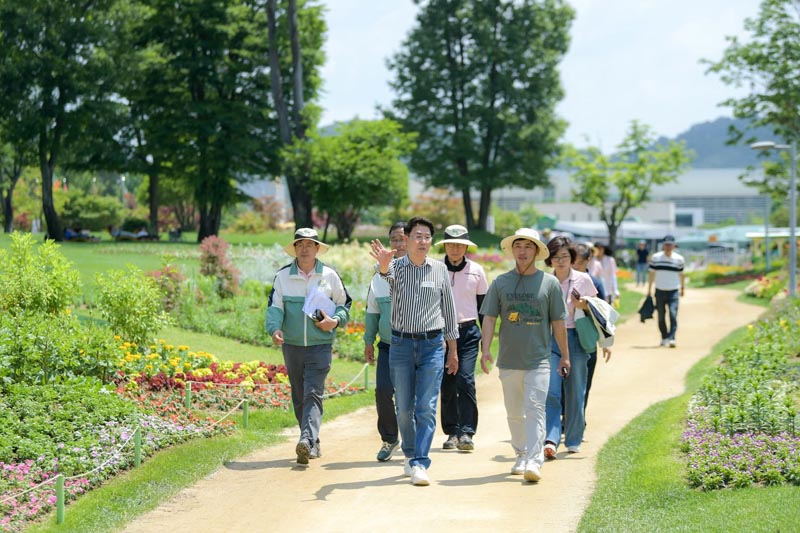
pixel 347 490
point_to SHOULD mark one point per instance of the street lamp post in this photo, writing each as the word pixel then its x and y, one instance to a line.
pixel 770 145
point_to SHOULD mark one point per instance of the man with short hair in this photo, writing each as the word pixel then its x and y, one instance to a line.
pixel 532 311
pixel 423 320
pixel 468 281
pixel 666 270
pixel 306 342
pixel 378 321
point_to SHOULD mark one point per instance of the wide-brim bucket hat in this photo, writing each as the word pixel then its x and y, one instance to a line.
pixel 305 234
pixel 527 234
pixel 456 234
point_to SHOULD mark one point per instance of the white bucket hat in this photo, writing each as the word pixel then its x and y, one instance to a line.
pixel 305 234
pixel 530 235
pixel 456 234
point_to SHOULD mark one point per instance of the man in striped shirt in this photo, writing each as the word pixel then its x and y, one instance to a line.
pixel 666 270
pixel 423 320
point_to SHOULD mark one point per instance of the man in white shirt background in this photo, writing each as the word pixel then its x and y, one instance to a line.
pixel 666 271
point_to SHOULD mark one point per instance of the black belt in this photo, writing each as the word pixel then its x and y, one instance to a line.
pixel 466 324
pixel 424 335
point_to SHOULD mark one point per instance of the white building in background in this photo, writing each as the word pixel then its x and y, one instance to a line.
pixel 701 195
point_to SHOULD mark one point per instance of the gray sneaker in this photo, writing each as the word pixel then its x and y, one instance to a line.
pixel 451 443
pixel 385 453
pixel 465 443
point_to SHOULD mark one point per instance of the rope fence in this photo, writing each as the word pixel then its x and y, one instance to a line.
pixel 136 437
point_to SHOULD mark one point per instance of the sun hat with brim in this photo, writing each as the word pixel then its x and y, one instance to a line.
pixel 456 234
pixel 527 234
pixel 305 234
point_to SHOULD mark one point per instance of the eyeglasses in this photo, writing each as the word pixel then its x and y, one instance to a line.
pixel 560 258
pixel 421 237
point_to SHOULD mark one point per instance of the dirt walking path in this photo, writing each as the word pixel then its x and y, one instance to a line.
pixel 348 490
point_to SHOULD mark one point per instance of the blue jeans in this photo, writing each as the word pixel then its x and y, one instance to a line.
pixel 574 394
pixel 416 366
pixel 384 396
pixel 641 273
pixel 459 403
pixel 667 301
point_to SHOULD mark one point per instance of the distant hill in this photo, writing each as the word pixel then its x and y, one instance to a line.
pixel 708 140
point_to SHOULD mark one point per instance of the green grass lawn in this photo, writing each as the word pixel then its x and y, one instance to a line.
pixel 642 483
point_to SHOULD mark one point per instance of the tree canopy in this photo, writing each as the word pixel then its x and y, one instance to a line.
pixel 478 81
pixel 617 184
pixel 766 64
pixel 354 169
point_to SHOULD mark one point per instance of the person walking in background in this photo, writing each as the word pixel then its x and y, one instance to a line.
pixel 306 341
pixel 378 322
pixel 532 311
pixel 574 285
pixel 423 320
pixel 605 256
pixel 642 260
pixel 468 281
pixel 666 271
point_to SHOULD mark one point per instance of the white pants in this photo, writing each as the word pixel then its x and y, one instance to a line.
pixel 525 395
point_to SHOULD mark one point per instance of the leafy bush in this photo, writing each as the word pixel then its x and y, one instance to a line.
pixel 90 212
pixel 134 224
pixel 265 215
pixel 169 280
pixel 131 303
pixel 36 278
pixel 214 262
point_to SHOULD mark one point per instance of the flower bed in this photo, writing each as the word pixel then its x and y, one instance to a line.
pixel 742 423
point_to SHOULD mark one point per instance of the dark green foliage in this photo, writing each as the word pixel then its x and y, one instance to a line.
pixel 91 212
pixel 478 81
pixel 353 170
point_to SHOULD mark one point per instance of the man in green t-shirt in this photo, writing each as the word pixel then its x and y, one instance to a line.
pixel 531 308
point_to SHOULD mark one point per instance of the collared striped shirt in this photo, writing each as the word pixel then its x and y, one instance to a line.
pixel 668 270
pixel 422 299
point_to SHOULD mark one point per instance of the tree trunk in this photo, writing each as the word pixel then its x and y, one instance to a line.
pixel 152 193
pixel 297 73
pixel 345 225
pixel 48 208
pixel 612 236
pixel 485 205
pixel 298 194
pixel 8 210
pixel 275 77
pixel 210 219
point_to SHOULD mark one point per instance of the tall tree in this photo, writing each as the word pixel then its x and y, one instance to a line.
pixel 617 184
pixel 13 158
pixel 355 169
pixel 293 85
pixel 55 74
pixel 478 81
pixel 766 64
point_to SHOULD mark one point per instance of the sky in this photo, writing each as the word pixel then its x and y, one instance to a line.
pixel 628 60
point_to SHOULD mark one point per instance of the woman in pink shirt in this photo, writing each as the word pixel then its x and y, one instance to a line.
pixel 574 285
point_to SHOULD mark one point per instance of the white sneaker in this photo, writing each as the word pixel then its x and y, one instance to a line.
pixel 406 468
pixel 532 473
pixel 519 466
pixel 419 476
pixel 573 449
pixel 672 343
pixel 664 342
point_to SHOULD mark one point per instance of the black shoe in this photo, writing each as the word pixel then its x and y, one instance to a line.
pixel 465 443
pixel 303 451
pixel 451 443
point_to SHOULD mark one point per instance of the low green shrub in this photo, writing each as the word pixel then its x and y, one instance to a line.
pixel 131 303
